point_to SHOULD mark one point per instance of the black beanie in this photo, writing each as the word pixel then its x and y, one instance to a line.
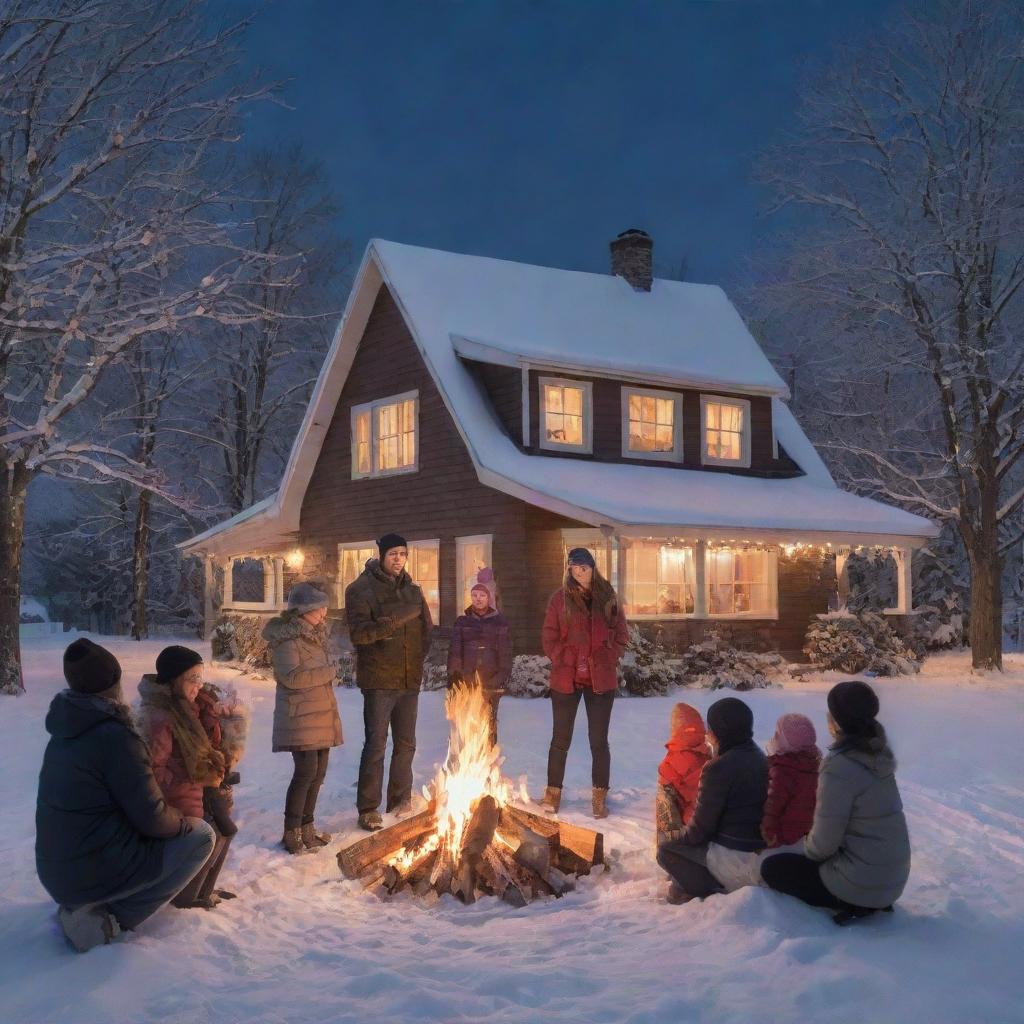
pixel 389 541
pixel 581 556
pixel 89 668
pixel 731 721
pixel 854 706
pixel 174 661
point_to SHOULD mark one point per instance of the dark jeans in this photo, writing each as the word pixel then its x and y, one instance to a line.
pixel 383 709
pixel 797 875
pixel 688 867
pixel 563 713
pixel 307 778
pixel 205 881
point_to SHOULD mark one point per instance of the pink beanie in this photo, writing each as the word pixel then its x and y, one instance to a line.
pixel 485 581
pixel 793 732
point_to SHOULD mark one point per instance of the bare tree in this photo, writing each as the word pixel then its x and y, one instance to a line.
pixel 903 286
pixel 108 110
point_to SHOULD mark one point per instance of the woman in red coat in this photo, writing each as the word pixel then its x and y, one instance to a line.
pixel 585 636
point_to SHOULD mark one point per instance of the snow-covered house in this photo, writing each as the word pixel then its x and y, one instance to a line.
pixel 499 413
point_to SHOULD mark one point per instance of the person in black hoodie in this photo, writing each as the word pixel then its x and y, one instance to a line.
pixel 109 850
pixel 730 804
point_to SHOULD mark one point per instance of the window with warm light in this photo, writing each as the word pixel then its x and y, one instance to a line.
pixel 352 559
pixel 652 424
pixel 471 555
pixel 660 579
pixel 424 566
pixel 741 582
pixel 725 428
pixel 384 436
pixel 565 415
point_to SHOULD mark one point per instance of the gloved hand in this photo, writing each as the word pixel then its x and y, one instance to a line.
pixel 388 623
pixel 407 614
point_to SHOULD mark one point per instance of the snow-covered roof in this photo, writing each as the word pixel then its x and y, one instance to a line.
pixel 456 306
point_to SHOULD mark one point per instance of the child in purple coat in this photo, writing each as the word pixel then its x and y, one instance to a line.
pixel 481 647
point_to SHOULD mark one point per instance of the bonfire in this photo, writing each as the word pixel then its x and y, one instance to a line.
pixel 471 839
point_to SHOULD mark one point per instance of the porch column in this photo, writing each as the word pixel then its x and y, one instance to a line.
pixel 842 578
pixel 278 582
pixel 902 556
pixel 229 586
pixel 269 581
pixel 209 583
pixel 700 596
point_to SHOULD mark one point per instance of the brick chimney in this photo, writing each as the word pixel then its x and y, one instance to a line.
pixel 631 258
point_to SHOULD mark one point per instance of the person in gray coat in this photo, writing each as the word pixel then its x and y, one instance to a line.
pixel 109 849
pixel 857 856
pixel 306 719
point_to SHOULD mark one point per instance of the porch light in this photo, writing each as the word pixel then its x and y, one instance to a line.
pixel 295 559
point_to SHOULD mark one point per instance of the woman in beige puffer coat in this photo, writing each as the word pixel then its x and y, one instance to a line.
pixel 306 720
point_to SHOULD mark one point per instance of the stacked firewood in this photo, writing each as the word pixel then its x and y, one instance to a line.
pixel 506 851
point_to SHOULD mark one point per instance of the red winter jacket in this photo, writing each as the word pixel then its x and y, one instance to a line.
pixel 792 787
pixel 687 754
pixel 564 636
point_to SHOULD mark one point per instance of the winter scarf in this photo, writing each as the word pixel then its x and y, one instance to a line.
pixel 198 754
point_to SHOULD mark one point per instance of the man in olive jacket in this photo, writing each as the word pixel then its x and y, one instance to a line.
pixel 389 625
pixel 109 849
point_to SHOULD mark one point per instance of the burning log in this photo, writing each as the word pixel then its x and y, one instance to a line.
pixel 355 859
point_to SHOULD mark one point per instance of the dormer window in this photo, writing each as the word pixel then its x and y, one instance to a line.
pixel 566 421
pixel 652 425
pixel 384 436
pixel 725 431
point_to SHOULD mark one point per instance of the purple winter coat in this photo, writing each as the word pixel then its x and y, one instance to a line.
pixel 481 644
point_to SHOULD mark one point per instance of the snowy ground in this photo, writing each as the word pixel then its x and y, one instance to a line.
pixel 300 944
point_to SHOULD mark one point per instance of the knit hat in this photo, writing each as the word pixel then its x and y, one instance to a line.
pixel 389 541
pixel 854 706
pixel 685 721
pixel 175 661
pixel 581 556
pixel 89 668
pixel 304 597
pixel 731 721
pixel 485 582
pixel 793 732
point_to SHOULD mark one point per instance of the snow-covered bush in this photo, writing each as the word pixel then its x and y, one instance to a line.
pixel 240 638
pixel 715 664
pixel 859 643
pixel 646 670
pixel 346 669
pixel 435 677
pixel 531 676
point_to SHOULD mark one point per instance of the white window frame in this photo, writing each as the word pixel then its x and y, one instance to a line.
pixel 371 408
pixel 436 545
pixel 461 543
pixel 663 616
pixel 743 462
pixel 587 387
pixel 351 545
pixel 273 575
pixel 676 454
pixel 772 581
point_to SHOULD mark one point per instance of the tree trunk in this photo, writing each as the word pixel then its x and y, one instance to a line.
pixel 140 566
pixel 986 626
pixel 13 488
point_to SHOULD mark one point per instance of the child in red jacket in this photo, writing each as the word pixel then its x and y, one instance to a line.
pixel 679 772
pixel 793 762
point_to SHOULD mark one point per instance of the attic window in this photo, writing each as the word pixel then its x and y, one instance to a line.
pixel 384 438
pixel 566 419
pixel 725 429
pixel 652 425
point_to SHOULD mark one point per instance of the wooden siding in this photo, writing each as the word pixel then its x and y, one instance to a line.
pixel 444 499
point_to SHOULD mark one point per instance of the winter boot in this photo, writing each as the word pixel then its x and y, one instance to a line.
pixel 313 839
pixel 677 895
pixel 598 802
pixel 404 809
pixel 370 821
pixel 292 841
pixel 552 799
pixel 88 926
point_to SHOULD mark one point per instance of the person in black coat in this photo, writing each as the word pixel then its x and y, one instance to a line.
pixel 109 850
pixel 730 803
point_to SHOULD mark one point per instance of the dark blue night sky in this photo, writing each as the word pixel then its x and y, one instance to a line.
pixel 535 131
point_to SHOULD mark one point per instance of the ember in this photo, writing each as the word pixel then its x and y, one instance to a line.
pixel 471 839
